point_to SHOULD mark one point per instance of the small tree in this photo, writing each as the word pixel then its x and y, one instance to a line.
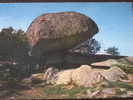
pixel 113 51
pixel 91 46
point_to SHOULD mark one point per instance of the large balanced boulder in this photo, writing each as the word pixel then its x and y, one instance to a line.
pixel 59 31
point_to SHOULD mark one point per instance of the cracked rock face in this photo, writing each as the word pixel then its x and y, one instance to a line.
pixel 114 74
pixel 82 76
pixel 59 31
pixel 87 77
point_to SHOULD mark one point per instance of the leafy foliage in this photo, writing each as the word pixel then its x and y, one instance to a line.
pixel 13 44
pixel 113 51
pixel 13 48
pixel 9 74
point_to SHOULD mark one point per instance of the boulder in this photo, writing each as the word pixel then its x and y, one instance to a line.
pixel 64 77
pixel 59 31
pixel 47 77
pixel 88 77
pixel 37 78
pixel 85 76
pixel 82 76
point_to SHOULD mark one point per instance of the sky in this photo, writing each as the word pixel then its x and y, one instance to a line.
pixel 114 19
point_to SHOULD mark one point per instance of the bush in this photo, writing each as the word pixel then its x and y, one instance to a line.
pixel 13 44
pixel 14 47
pixel 113 51
pixel 9 75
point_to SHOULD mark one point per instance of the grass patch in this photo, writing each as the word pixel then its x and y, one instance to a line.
pixel 119 85
pixel 60 90
pixel 77 90
pixel 54 90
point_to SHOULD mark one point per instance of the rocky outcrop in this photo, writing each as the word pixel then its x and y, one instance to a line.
pixel 48 77
pixel 83 76
pixel 87 77
pixel 64 77
pixel 59 31
pixel 114 74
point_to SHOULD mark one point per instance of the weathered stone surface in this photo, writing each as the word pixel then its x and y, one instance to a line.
pixel 59 31
pixel 85 76
pixel 114 74
pixel 50 75
pixel 67 76
pixel 103 93
pixel 46 77
pixel 38 76
pixel 82 76
pixel 108 92
pixel 64 77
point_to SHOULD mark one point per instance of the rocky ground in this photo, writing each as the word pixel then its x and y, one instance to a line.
pixel 28 89
pixel 116 89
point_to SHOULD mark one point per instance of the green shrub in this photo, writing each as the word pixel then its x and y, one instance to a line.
pixel 10 75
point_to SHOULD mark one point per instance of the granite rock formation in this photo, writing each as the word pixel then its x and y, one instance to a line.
pixel 59 31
